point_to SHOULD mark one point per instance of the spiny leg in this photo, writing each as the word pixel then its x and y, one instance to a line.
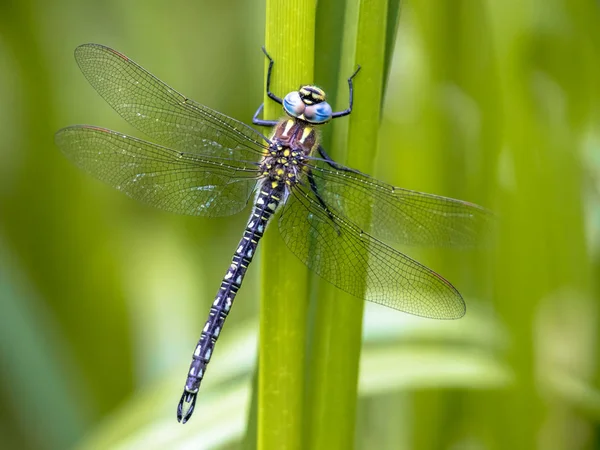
pixel 333 164
pixel 315 189
pixel 255 118
pixel 261 122
pixel 347 111
pixel 269 72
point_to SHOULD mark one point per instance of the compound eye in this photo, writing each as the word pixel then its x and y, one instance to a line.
pixel 318 113
pixel 293 104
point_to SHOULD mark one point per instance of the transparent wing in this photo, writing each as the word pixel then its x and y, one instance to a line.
pixel 161 112
pixel 174 181
pixel 361 265
pixel 401 215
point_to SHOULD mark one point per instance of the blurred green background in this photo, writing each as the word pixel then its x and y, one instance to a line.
pixel 102 299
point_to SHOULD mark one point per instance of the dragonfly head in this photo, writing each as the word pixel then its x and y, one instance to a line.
pixel 308 104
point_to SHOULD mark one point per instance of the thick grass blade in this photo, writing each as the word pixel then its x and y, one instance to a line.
pixel 289 39
pixel 336 331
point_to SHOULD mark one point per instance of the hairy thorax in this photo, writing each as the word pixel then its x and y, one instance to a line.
pixel 292 141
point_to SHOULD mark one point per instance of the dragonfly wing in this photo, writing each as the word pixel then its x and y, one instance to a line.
pixel 401 215
pixel 163 113
pixel 361 265
pixel 178 182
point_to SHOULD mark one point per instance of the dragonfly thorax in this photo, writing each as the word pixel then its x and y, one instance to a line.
pixel 291 142
pixel 282 165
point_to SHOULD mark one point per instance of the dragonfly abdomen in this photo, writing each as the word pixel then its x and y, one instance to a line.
pixel 267 201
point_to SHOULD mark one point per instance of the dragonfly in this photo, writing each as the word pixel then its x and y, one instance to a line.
pixel 336 220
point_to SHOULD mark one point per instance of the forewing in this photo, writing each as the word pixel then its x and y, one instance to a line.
pixel 400 215
pixel 361 265
pixel 163 113
pixel 178 182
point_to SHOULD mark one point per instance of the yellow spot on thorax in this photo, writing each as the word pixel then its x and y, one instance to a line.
pixel 288 126
pixel 305 133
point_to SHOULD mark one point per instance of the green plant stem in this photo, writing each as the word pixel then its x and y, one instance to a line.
pixel 290 27
pixel 336 343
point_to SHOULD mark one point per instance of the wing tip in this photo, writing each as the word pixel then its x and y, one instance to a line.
pixel 461 312
pixel 452 309
pixel 80 49
pixel 82 52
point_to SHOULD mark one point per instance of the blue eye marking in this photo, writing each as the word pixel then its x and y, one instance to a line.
pixel 293 104
pixel 318 113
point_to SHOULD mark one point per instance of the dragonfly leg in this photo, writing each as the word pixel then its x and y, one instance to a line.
pixel 261 122
pixel 345 112
pixel 314 188
pixel 269 72
pixel 333 164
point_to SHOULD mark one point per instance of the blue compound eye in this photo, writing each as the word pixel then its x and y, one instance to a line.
pixel 318 113
pixel 293 104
